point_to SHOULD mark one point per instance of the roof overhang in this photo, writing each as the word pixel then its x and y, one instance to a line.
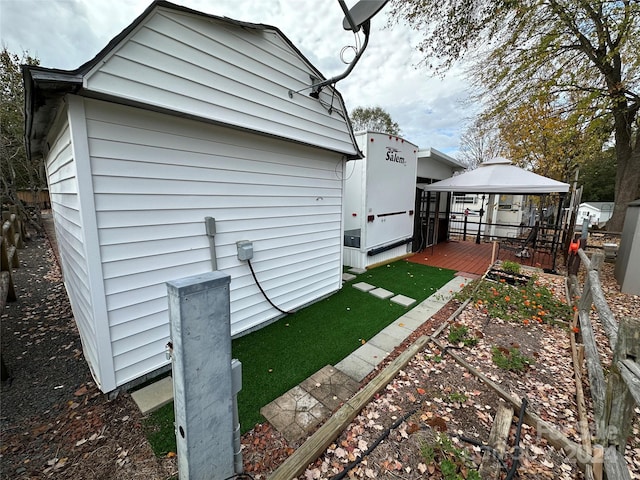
pixel 440 157
pixel 44 90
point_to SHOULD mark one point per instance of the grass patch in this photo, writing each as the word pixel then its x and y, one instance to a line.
pixel 281 355
pixel 510 359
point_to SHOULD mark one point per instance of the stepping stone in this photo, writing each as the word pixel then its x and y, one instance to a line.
pixel 381 293
pixel 347 277
pixel 330 386
pixel 295 414
pixel 404 301
pixel 385 341
pixel 154 395
pixel 357 271
pixel 371 353
pixel 363 286
pixel 355 367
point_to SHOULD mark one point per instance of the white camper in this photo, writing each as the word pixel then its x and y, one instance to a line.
pixel 379 200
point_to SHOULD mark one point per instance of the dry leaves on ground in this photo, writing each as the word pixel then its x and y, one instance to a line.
pixel 438 395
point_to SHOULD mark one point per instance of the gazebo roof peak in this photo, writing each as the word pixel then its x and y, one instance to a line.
pixel 497 161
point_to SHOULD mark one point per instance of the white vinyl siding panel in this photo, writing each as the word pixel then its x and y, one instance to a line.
pixel 63 191
pixel 155 178
pixel 225 73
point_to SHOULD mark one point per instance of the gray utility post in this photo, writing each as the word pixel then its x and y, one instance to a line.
pixel 199 314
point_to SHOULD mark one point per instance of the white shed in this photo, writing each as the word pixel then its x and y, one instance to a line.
pixel 597 213
pixel 180 117
pixel 379 200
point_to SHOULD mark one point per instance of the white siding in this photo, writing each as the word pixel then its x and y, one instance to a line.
pixel 223 72
pixel 63 191
pixel 155 178
pixel 428 167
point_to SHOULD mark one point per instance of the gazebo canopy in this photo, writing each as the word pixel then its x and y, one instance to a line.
pixel 498 176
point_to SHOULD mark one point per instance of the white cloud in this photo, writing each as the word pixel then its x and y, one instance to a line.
pixel 66 33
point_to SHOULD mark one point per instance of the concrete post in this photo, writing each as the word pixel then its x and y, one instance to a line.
pixel 199 314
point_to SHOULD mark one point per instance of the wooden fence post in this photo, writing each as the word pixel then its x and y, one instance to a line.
pixel 619 402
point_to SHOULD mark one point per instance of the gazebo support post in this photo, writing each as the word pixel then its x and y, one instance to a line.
pixel 554 246
pixel 480 221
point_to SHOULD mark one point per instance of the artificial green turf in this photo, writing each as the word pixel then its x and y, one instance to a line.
pixel 283 354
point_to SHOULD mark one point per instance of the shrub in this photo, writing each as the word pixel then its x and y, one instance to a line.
pixel 510 267
pixel 510 359
pixel 453 462
pixel 459 334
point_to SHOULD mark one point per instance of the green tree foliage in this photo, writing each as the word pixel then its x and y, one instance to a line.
pixel 598 177
pixel 17 172
pixel 582 53
pixel 551 143
pixel 373 119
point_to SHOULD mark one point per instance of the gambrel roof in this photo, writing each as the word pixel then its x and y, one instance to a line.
pixel 176 60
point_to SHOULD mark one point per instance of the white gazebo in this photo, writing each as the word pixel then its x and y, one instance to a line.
pixel 500 176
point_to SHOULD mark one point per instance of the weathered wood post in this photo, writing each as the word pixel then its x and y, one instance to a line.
pixel 619 401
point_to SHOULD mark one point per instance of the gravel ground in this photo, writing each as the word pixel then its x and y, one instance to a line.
pixel 54 421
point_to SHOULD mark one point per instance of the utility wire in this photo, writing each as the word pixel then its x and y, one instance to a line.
pixel 384 435
pixel 265 293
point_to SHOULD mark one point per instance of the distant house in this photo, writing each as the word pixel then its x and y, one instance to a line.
pixel 180 117
pixel 597 213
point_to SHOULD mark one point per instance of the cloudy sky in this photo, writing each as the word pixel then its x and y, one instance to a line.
pixel 431 112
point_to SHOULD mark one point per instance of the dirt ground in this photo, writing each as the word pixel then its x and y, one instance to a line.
pixel 443 399
pixel 56 424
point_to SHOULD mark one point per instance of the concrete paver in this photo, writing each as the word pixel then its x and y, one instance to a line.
pixel 363 286
pixel 381 293
pixel 385 342
pixel 411 321
pixel 330 386
pixel 154 395
pixel 370 353
pixel 402 300
pixel 396 331
pixel 355 367
pixel 346 277
pixel 357 271
pixel 295 413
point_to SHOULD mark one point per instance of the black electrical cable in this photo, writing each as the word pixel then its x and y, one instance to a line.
pixel 451 347
pixel 384 435
pixel 264 293
pixel 516 452
pixel 482 447
pixel 240 476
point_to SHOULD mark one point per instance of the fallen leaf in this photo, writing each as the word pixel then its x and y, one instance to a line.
pixel 81 391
